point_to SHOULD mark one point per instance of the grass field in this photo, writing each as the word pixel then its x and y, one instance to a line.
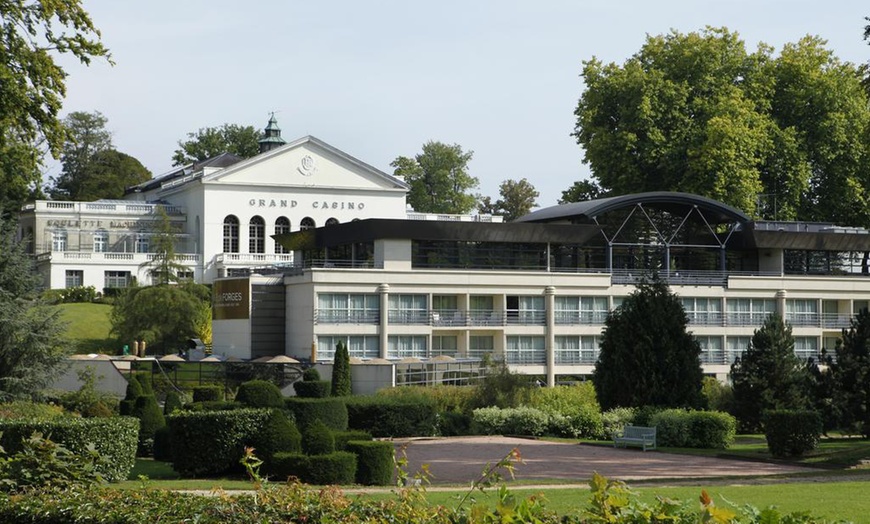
pixel 88 327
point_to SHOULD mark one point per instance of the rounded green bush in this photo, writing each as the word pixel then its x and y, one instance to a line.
pixel 375 461
pixel 317 439
pixel 260 394
pixel 172 403
pixel 312 388
pixel 791 432
pixel 208 393
pixel 311 375
pixel 279 433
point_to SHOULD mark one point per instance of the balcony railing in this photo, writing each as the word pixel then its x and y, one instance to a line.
pixel 341 316
pixel 111 257
pixel 575 318
pixel 113 208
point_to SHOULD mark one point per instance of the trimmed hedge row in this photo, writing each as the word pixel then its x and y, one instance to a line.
pixel 115 438
pixel 331 411
pixel 374 461
pixel 343 437
pixel 511 421
pixel 791 432
pixel 213 442
pixel 312 388
pixel 388 417
pixel 206 393
pixel 694 429
pixel 338 467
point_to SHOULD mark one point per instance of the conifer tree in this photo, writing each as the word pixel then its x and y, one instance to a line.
pixel 341 381
pixel 851 375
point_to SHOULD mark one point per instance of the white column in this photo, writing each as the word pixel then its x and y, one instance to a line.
pixel 550 306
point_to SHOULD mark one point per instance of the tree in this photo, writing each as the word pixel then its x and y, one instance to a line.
pixel 580 191
pixel 86 135
pixel 769 375
pixel 341 382
pixel 778 137
pixel 517 199
pixel 647 358
pixel 850 374
pixel 208 142
pixel 439 179
pixel 165 315
pixel 34 33
pixel 163 266
pixel 31 333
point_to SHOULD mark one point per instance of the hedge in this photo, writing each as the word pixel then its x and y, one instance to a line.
pixel 375 461
pixel 343 437
pixel 388 417
pixel 511 421
pixel 213 442
pixel 312 388
pixel 335 468
pixel 260 394
pixel 317 439
pixel 331 411
pixel 279 433
pixel 114 438
pixel 694 429
pixel 791 433
pixel 206 393
pixel 213 405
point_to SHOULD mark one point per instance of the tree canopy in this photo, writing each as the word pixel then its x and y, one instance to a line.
pixel 581 191
pixel 34 34
pixel 518 197
pixel 850 374
pixel 92 168
pixel 439 179
pixel 782 137
pixel 31 343
pixel 208 142
pixel 769 375
pixel 647 357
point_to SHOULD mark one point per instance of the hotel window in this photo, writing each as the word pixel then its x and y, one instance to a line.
pixel 257 235
pixel 307 223
pixel 480 345
pixel 711 350
pixel 404 346
pixel 573 349
pixel 58 240
pixel 481 310
pixel 735 347
pixel 445 311
pixel 445 345
pixel 231 234
pixel 748 311
pixel 526 310
pixel 703 311
pixel 524 349
pixel 282 226
pixel 802 312
pixel 117 278
pixel 101 241
pixel 408 309
pixel 341 308
pixel 75 278
pixel 580 310
pixel 142 243
pixel 184 275
pixel 806 347
pixel 359 346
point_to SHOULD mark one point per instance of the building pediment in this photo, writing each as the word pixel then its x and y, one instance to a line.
pixel 306 162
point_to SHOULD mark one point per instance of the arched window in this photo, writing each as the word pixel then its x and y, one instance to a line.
pixel 231 234
pixel 101 241
pixel 307 223
pixel 282 225
pixel 58 240
pixel 332 222
pixel 257 235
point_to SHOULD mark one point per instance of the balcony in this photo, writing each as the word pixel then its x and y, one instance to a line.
pixel 343 316
pixel 100 208
pixel 111 257
pixel 252 259
pixel 580 318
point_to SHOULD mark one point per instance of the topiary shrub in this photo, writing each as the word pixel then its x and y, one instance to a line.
pixel 694 429
pixel 341 379
pixel 312 388
pixel 317 439
pixel 311 375
pixel 163 444
pixel 332 411
pixel 172 403
pixel 134 391
pixel 511 421
pixel 374 461
pixel 260 394
pixel 391 417
pixel 791 433
pixel 335 468
pixel 279 433
pixel 214 405
pixel 144 380
pixel 213 442
pixel 343 437
pixel 208 393
pixel 114 438
pixel 150 420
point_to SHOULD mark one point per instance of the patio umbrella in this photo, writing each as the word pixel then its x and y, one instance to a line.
pixel 170 358
pixel 282 359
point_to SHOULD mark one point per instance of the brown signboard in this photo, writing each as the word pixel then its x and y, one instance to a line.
pixel 231 299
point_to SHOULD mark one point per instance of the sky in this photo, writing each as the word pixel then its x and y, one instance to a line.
pixel 378 79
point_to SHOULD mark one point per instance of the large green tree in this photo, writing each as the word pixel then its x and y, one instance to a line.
pixel 165 316
pixel 439 179
pixel 31 343
pixel 86 135
pixel 580 191
pixel 163 266
pixel 33 34
pixel 850 373
pixel 647 357
pixel 208 142
pixel 777 136
pixel 517 198
pixel 769 375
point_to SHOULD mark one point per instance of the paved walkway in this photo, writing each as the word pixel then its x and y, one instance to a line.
pixel 460 460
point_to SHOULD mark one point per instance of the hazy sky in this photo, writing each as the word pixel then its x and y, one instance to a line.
pixel 377 79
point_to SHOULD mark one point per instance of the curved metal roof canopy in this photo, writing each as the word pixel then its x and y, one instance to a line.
pixel 714 211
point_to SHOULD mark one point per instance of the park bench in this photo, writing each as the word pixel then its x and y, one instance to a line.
pixel 637 436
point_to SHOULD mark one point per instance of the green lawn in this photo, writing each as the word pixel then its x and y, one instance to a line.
pixel 88 326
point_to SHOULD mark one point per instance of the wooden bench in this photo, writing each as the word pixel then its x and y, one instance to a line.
pixel 637 436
